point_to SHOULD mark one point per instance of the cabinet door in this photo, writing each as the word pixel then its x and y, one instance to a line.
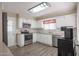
pixel 44 38
pixel 34 37
pixel 20 40
pixel 39 37
pixel 70 20
pixel 39 24
pixel 60 21
pixel 48 39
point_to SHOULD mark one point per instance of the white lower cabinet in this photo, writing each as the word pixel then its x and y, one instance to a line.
pixel 44 38
pixel 37 37
pixel 20 40
pixel 34 37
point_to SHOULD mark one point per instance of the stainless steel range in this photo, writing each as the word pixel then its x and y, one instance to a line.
pixel 28 38
pixel 27 35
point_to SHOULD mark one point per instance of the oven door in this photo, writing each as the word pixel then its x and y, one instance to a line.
pixel 28 37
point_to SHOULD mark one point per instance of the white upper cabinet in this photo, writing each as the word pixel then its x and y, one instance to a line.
pixel 70 20
pixel 66 20
pixel 60 21
pixel 38 24
pixel 30 21
pixel 33 23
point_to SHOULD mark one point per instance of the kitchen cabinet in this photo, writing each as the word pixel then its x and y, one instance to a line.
pixel 24 39
pixel 60 21
pixel 33 24
pixel 38 24
pixel 29 21
pixel 44 38
pixel 20 40
pixel 54 40
pixel 34 37
pixel 66 20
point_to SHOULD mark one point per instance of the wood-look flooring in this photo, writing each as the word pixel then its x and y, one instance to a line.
pixel 35 49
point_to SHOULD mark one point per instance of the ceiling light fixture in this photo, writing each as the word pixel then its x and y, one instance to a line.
pixel 39 7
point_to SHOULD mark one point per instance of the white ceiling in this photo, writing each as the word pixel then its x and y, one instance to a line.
pixel 22 7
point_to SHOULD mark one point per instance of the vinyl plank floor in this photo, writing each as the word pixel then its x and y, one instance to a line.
pixel 36 49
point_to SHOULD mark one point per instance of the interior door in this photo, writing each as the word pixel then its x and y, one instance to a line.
pixel 4 25
pixel 11 31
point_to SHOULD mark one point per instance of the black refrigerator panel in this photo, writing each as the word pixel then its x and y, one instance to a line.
pixel 69 33
pixel 65 48
pixel 63 28
pixel 65 45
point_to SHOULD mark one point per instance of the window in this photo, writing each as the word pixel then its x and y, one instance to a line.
pixel 49 24
pixel 39 7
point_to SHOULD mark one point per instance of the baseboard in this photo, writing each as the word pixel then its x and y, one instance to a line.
pixel 13 47
pixel 43 43
pixel 55 46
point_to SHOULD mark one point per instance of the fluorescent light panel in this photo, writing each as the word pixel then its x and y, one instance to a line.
pixel 39 7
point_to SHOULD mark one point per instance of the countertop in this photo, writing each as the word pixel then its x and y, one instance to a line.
pixel 56 32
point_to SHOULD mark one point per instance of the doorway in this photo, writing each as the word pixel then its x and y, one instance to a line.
pixel 9 29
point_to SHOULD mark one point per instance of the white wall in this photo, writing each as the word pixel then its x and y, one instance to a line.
pixel 4 51
pixel 0 21
pixel 12 34
pixel 65 20
pixel 78 24
pixel 0 25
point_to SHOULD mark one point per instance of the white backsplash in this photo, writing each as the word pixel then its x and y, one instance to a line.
pixel 50 32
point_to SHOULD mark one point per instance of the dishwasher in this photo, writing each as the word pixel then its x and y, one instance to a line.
pixel 55 40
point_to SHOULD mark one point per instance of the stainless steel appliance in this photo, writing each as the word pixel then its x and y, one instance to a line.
pixel 54 40
pixel 26 25
pixel 65 45
pixel 68 32
pixel 27 35
pixel 27 39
